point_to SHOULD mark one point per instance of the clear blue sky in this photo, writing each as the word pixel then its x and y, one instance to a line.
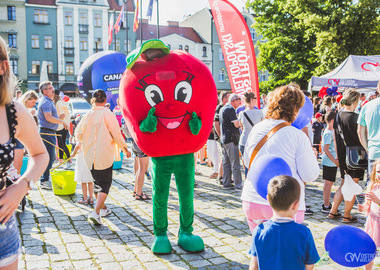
pixel 177 10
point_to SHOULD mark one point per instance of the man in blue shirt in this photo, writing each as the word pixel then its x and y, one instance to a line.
pixel 280 243
pixel 48 121
pixel 229 129
pixel 369 130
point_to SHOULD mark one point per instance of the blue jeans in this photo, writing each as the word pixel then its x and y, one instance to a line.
pixel 241 148
pixel 51 151
pixel 10 243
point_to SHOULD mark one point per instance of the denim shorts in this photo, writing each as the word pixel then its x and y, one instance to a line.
pixel 19 145
pixel 10 243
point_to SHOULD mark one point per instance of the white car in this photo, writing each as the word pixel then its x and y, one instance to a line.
pixel 78 106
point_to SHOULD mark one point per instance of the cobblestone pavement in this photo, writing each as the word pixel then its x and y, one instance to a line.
pixel 56 234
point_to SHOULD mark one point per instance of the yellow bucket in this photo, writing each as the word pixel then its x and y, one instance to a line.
pixel 63 182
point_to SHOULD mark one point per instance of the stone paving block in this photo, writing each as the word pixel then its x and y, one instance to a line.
pixel 199 263
pixel 59 257
pixel 147 257
pixel 191 257
pixel 110 266
pixel 224 249
pixel 103 258
pixel 217 261
pixel 132 264
pixel 84 264
pixel 62 265
pixel 82 255
pixel 39 264
pixel 156 265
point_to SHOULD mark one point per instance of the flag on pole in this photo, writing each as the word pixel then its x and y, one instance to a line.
pixel 110 30
pixel 237 47
pixel 136 17
pixel 119 20
pixel 150 10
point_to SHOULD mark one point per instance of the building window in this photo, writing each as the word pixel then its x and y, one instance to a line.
pixel 69 68
pixel 11 13
pixel 35 67
pixel 83 18
pixel 180 47
pixel 35 41
pixel 83 44
pixel 12 40
pixel 204 51
pixel 48 42
pixel 117 45
pixel 222 75
pixel 41 16
pixel 129 46
pixel 252 33
pixel 49 65
pixel 97 20
pixel 221 57
pixel 262 77
pixel 98 45
pixel 14 66
pixel 69 42
pixel 186 48
pixel 68 18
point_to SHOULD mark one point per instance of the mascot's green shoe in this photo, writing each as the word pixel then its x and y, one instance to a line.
pixel 161 245
pixel 190 242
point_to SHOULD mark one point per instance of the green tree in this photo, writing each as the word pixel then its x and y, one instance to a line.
pixel 303 38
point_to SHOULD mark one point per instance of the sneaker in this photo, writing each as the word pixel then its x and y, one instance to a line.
pixel 45 185
pixel 307 206
pixel 230 187
pixel 238 188
pixel 326 209
pixel 95 218
pixel 105 212
pixel 308 212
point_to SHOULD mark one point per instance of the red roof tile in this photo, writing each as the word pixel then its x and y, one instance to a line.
pixel 114 5
pixel 42 2
pixel 150 31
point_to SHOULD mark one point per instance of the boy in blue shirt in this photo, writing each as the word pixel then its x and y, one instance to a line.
pixel 280 243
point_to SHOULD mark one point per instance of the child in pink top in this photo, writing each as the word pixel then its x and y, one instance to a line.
pixel 372 207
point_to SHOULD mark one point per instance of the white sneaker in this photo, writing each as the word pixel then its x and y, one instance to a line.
pixel 105 212
pixel 95 218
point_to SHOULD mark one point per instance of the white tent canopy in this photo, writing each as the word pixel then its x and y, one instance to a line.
pixel 357 71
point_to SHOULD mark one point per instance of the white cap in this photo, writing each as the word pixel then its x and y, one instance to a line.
pixel 370 94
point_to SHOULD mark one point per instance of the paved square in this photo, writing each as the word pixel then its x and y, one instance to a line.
pixel 55 232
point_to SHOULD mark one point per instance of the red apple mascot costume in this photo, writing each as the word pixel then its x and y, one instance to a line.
pixel 168 99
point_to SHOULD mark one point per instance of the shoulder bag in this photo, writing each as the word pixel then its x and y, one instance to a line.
pixel 356 156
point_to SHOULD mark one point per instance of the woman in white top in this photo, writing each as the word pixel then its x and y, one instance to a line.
pixel 289 143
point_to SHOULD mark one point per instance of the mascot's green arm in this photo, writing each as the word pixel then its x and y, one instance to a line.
pixel 195 124
pixel 149 124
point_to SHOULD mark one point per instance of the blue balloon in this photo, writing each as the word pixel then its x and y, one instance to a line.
pixel 305 114
pixel 350 246
pixel 264 169
pixel 102 70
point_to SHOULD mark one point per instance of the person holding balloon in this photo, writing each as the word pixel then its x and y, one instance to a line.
pixel 291 146
pixel 372 207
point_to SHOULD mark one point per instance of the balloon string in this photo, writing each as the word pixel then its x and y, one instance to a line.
pixel 324 258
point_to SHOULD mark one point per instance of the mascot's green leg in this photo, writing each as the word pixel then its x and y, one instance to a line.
pixel 161 174
pixel 184 175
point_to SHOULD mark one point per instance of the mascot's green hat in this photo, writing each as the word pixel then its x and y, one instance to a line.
pixel 150 44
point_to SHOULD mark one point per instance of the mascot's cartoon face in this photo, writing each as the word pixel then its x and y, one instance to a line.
pixel 176 85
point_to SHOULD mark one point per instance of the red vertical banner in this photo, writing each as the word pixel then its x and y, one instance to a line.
pixel 237 46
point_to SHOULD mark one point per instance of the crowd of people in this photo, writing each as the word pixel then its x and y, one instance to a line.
pixel 241 134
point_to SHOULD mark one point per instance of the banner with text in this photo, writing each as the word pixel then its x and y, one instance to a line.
pixel 237 46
